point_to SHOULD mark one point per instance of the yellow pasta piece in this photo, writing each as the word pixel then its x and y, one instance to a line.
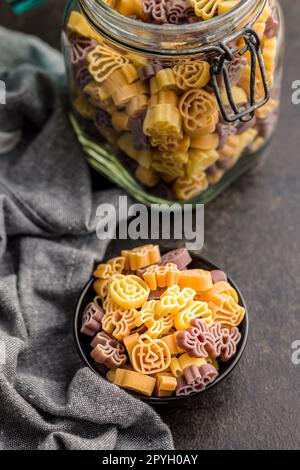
pixel 124 95
pixel 239 96
pixel 206 9
pixel 269 54
pixel 129 343
pixel 163 80
pixel 132 380
pixel 158 325
pixel 103 271
pixel 178 157
pixel 260 29
pixel 174 300
pixel 101 288
pixel 116 320
pixel 128 292
pixel 200 160
pixel 143 157
pixel 120 121
pixel 187 187
pixel 170 341
pixel 168 171
pixel 137 59
pixel 269 107
pixel 147 176
pixel 178 365
pixel 257 144
pixel 142 256
pixel 157 276
pixel 166 382
pixel 199 111
pixel 84 108
pixel 195 309
pixel 97 92
pixel 162 119
pixel 117 264
pixel 171 144
pixel 126 75
pixel 192 74
pixel 221 287
pixel 198 279
pixel 205 142
pixel 150 356
pixel 137 105
pixel 259 88
pixel 131 8
pixel 186 361
pixel 104 61
pixel 226 311
pixel 226 5
pixel 265 13
pixel 164 97
pixel 78 24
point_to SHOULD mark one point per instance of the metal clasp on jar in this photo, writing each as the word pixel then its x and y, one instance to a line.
pixel 219 67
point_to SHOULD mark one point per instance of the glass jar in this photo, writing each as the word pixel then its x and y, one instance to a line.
pixel 174 112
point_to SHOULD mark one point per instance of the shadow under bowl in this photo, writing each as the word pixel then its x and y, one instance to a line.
pixel 84 349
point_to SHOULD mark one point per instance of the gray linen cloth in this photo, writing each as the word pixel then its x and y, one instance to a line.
pixel 48 248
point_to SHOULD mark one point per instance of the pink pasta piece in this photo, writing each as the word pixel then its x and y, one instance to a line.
pixel 197 341
pixel 91 319
pixel 226 341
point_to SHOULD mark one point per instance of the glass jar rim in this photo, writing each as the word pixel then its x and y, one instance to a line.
pixel 149 37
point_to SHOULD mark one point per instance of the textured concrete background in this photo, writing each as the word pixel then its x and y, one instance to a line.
pixel 252 231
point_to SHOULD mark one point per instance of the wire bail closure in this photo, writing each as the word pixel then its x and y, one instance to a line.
pixel 219 66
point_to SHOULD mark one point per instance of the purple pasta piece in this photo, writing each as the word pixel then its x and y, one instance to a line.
pixel 226 341
pixel 266 125
pixel 195 379
pixel 139 140
pixel 108 351
pixel 180 257
pixel 197 341
pixel 180 12
pixel 83 76
pixel 193 19
pixel 224 164
pixel 91 319
pixel 183 388
pixel 150 70
pixel 103 119
pixel 157 10
pixel 245 126
pixel 190 15
pixel 272 24
pixel 212 170
pixel 225 130
pixel 218 276
pixel 208 373
pixel 192 375
pixel 80 47
pixel 235 69
pixel 176 11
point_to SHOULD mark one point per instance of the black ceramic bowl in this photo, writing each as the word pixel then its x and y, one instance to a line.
pixel 83 342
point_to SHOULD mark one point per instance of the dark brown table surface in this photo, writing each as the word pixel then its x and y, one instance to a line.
pixel 252 231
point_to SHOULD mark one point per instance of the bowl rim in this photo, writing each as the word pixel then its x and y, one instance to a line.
pixel 173 399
